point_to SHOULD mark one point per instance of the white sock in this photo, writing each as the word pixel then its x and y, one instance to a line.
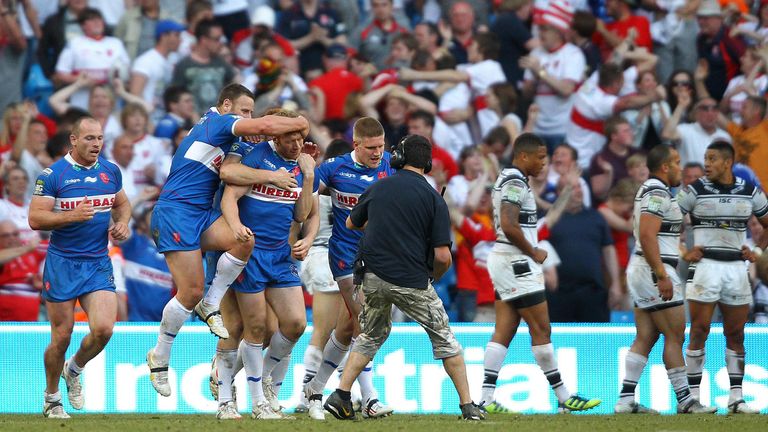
pixel 52 397
pixel 365 379
pixel 494 357
pixel 225 363
pixel 313 356
pixel 734 364
pixel 239 359
pixel 228 268
pixel 279 347
pixel 633 369
pixel 279 372
pixel 253 359
pixel 74 369
pixel 174 315
pixel 333 354
pixel 679 381
pixel 545 358
pixel 694 363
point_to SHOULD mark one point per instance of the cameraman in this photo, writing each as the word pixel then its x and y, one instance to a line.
pixel 404 221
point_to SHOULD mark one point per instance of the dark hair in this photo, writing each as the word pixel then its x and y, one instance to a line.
pixel 465 154
pixel 204 28
pixel 527 143
pixel 608 74
pixel 498 134
pixel 337 147
pixel 507 96
pixel 172 95
pixel 429 95
pixel 445 61
pixel 671 97
pixel 58 145
pixel 759 103
pixel 427 117
pixel 612 124
pixel 488 45
pixel 89 13
pixel 571 149
pixel 232 92
pixel 408 40
pixel 690 165
pixel 433 30
pixel 417 151
pixel 658 156
pixel 194 7
pixel 584 24
pixel 420 59
pixel 724 148
pixel 70 116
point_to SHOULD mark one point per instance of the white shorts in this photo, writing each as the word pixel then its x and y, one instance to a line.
pixel 644 290
pixel 726 282
pixel 316 273
pixel 514 275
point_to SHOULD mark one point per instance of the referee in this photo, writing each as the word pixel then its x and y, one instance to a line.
pixel 405 221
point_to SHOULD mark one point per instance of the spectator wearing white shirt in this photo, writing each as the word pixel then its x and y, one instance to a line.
pixel 751 82
pixel 99 57
pixel 29 151
pixel 197 11
pixel 692 139
pixel 153 70
pixel 147 149
pixel 15 205
pixel 122 155
pixel 553 72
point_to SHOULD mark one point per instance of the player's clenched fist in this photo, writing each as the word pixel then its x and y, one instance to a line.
pixel 307 165
pixel 119 231
pixel 83 212
pixel 243 233
pixel 284 179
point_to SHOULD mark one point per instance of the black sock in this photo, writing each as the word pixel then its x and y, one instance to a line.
pixel 345 395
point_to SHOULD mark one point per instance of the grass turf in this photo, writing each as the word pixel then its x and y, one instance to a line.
pixel 404 423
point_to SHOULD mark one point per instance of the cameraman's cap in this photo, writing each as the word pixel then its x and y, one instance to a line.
pixel 167 26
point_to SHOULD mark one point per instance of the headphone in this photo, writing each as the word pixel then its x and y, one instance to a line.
pixel 398 158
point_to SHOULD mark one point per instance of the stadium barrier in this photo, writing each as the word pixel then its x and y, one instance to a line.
pixel 407 377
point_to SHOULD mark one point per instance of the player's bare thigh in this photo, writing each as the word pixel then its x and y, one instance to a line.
pixel 220 237
pixel 101 307
pixel 253 311
pixel 186 267
pixel 288 304
pixel 325 310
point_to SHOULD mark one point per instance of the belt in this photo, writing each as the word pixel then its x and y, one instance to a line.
pixel 719 255
pixel 665 260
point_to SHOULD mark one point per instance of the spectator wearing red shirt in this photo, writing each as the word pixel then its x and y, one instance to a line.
pixel 720 51
pixel 337 82
pixel 20 278
pixel 610 35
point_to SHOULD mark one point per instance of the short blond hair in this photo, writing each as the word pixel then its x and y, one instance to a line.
pixel 366 127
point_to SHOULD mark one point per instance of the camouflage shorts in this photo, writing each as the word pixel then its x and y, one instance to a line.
pixel 423 306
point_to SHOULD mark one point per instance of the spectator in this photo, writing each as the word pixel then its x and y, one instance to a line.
pixel 94 55
pixel 232 16
pixel 148 281
pixel 682 81
pixel 58 146
pixel 496 151
pixel 471 174
pixel 502 100
pixel 609 165
pixel 648 121
pixel 583 241
pixel 565 163
pixel 693 138
pixel 249 42
pixel 750 137
pixel 13 46
pixel 421 122
pixel 553 73
pixel 594 104
pixel 179 110
pixel 584 26
pixel 58 30
pixel 692 171
pixel 15 206
pixel 752 81
pixel 461 17
pixel 29 151
pixel 375 39
pixel 428 37
pixel 337 83
pixel 13 122
pixel 637 168
pixel 146 148
pixel 717 48
pixel 203 72
pixel 624 25
pixel 137 27
pixel 515 38
pixel 197 12
pixel 311 26
pixel 674 33
pixel 152 70
pixel 122 155
pixel 277 86
pixel 20 278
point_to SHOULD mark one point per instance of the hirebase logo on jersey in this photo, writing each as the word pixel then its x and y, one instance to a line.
pixel 344 200
pixel 405 374
pixel 99 202
pixel 274 194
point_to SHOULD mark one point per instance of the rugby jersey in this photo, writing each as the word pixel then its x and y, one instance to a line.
pixel 512 187
pixel 655 198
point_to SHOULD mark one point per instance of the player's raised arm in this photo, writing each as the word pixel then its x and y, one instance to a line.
pixel 271 125
pixel 231 212
pixel 306 199
pixel 234 173
pixel 42 216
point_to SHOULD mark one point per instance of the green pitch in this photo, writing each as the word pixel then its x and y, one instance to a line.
pixel 397 423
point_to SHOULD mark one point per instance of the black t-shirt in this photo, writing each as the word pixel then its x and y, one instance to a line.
pixel 513 35
pixel 407 219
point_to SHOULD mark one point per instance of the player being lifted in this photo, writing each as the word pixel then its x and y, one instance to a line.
pixel 720 205
pixel 346 178
pixel 514 265
pixel 655 286
pixel 184 223
pixel 265 213
pixel 77 198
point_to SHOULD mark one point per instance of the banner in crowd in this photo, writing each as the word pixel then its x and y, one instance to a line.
pixel 407 378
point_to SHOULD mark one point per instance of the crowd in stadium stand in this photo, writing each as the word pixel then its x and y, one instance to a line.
pixel 601 81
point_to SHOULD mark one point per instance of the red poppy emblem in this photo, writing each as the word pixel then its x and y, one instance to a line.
pixel 382 174
pixel 104 178
pixel 342 264
pixel 47 285
pixel 296 171
pixel 177 237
